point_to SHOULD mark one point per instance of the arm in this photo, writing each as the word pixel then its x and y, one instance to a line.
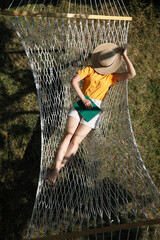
pixel 75 83
pixel 130 69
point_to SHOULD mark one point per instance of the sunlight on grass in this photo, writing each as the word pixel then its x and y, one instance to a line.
pixel 20 127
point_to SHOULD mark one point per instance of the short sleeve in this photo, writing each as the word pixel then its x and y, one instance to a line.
pixel 114 78
pixel 85 72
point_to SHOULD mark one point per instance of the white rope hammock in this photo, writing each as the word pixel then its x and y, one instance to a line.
pixel 106 183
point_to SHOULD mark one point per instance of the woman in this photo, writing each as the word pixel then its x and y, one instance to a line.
pixel 106 59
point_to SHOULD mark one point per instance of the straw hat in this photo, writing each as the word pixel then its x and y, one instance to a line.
pixel 106 58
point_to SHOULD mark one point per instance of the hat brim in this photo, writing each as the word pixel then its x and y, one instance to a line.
pixel 116 64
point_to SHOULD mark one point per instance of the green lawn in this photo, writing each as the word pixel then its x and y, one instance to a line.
pixel 20 127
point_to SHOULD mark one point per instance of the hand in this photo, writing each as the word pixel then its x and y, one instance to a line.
pixel 87 104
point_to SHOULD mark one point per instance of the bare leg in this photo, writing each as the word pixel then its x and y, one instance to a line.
pixel 72 125
pixel 80 133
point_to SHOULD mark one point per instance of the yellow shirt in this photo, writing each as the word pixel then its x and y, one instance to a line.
pixel 96 85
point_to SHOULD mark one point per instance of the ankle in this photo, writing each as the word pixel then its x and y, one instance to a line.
pixel 56 170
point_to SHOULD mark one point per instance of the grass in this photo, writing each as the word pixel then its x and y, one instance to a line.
pixel 144 90
pixel 19 133
pixel 20 128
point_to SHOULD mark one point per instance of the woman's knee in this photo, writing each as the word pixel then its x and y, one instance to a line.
pixel 81 132
pixel 76 140
pixel 68 136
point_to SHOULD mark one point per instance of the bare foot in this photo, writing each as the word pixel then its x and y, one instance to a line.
pixel 52 176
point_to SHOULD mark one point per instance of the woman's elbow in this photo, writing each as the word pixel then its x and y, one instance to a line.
pixel 75 80
pixel 132 75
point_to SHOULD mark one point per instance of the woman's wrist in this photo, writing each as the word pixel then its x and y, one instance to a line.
pixel 124 53
pixel 125 58
pixel 130 67
pixel 83 98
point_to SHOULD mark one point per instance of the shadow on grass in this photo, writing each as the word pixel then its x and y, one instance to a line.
pixel 19 172
pixel 19 167
pixel 5 4
pixel 73 187
pixel 19 189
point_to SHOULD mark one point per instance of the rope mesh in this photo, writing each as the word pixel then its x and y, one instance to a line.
pixel 106 182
